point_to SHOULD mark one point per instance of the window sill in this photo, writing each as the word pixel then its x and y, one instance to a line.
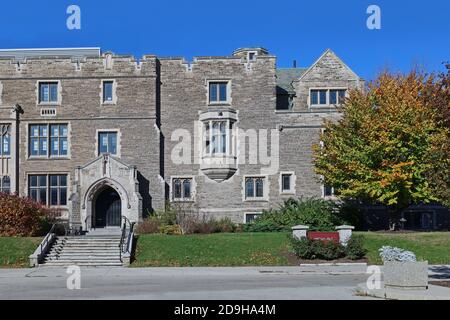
pixel 219 104
pixel 108 104
pixel 49 104
pixel 256 200
pixel 323 106
pixel 288 193
pixel 183 201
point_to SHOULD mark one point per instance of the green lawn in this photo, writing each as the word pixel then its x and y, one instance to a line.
pixel 14 252
pixel 268 249
pixel 220 249
pixel 238 249
pixel 431 246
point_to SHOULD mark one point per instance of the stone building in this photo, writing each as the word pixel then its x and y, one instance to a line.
pixel 99 136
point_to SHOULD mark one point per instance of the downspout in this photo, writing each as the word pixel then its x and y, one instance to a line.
pixel 18 111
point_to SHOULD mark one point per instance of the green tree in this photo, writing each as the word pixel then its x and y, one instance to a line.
pixel 391 144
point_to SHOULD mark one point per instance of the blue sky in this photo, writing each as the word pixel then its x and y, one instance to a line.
pixel 413 32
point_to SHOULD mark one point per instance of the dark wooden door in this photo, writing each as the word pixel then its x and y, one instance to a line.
pixel 108 209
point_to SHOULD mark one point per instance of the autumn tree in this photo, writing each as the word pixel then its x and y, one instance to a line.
pixel 391 145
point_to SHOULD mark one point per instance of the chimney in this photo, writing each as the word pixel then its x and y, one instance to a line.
pixel 294 64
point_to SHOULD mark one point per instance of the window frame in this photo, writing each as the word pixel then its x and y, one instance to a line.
pixel 327 97
pixel 48 188
pixel 5 132
pixel 2 182
pixel 265 191
pixel 259 213
pixel 48 138
pixel 182 180
pixel 108 131
pixel 113 100
pixel 58 101
pixel 255 55
pixel 228 91
pixel 224 139
pixel 292 183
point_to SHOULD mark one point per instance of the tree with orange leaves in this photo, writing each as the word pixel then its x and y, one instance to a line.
pixel 391 145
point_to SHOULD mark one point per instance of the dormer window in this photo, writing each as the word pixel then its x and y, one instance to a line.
pixel 327 97
pixel 251 55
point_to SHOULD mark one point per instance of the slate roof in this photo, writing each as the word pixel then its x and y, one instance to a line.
pixel 285 76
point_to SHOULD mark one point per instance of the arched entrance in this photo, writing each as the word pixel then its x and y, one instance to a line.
pixel 108 208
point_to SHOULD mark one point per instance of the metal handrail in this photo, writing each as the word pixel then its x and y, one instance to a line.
pixel 127 248
pixel 44 242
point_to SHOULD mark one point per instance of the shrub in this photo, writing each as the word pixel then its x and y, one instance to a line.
pixel 23 217
pixel 355 247
pixel 317 249
pixel 396 254
pixel 318 214
pixel 328 250
pixel 226 225
pixel 184 220
pixel 149 225
pixel 171 229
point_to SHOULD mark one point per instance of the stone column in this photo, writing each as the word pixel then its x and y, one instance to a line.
pixel 345 233
pixel 299 232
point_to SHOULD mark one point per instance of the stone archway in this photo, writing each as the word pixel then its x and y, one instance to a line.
pixel 106 173
pixel 107 208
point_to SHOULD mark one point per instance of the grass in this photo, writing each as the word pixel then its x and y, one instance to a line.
pixel 214 250
pixel 431 246
pixel 14 252
pixel 238 249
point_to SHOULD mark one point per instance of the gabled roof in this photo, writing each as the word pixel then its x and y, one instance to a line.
pixel 285 77
pixel 328 51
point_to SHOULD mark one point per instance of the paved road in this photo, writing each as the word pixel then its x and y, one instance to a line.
pixel 180 283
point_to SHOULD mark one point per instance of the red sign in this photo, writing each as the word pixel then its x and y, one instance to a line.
pixel 324 236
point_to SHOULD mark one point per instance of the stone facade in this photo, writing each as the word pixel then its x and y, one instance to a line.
pixel 160 112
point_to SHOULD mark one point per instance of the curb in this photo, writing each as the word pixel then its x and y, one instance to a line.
pixel 433 293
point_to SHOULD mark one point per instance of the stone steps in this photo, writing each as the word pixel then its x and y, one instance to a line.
pixel 101 250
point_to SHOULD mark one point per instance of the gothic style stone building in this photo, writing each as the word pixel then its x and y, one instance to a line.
pixel 100 136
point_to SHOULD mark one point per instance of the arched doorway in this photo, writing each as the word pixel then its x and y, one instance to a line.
pixel 108 208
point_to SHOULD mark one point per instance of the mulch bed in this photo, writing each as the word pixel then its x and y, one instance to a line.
pixel 294 261
pixel 440 283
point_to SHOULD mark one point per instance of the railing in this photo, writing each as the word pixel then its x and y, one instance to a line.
pixel 46 240
pixel 126 240
pixel 36 257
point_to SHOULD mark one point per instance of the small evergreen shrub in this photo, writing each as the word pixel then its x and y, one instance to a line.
pixel 355 247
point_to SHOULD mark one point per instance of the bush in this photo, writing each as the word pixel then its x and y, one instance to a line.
pixel 355 247
pixel 226 225
pixel 23 217
pixel 328 250
pixel 175 221
pixel 318 214
pixel 149 225
pixel 317 249
pixel 170 229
